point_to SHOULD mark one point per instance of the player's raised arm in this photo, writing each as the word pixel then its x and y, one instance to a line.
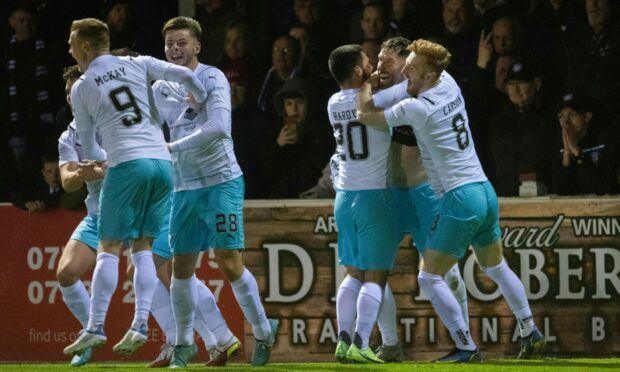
pixel 161 70
pixel 218 106
pixel 84 124
pixel 367 113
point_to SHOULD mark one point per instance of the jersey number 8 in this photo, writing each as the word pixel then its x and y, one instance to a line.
pixel 129 102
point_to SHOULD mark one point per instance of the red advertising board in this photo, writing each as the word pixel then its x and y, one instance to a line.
pixel 35 323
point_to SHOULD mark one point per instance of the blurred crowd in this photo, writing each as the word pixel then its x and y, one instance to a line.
pixel 539 79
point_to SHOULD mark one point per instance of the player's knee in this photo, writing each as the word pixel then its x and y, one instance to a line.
pixel 66 276
pixel 231 270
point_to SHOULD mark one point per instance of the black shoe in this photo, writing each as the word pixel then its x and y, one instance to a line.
pixel 532 344
pixel 461 356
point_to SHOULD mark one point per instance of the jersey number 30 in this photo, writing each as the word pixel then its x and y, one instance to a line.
pixel 123 99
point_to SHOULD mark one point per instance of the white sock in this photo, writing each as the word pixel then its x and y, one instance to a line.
pixel 246 293
pixel 77 300
pixel 210 314
pixel 514 293
pixel 447 308
pixel 368 304
pixel 387 318
pixel 455 282
pixel 346 305
pixel 183 296
pixel 144 282
pixel 207 337
pixel 105 279
pixel 161 308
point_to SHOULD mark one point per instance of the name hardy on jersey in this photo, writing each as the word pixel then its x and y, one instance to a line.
pixel 345 115
pixel 450 107
pixel 110 75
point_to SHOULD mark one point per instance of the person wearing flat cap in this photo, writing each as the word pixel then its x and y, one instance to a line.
pixel 586 152
pixel 521 132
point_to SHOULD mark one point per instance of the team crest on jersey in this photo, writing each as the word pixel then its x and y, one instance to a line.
pixel 190 114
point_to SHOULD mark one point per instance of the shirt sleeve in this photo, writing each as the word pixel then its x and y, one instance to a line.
pixel 84 123
pixel 66 150
pixel 218 113
pixel 409 111
pixel 390 96
pixel 161 70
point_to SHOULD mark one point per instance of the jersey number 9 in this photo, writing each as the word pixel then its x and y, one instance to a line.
pixel 124 94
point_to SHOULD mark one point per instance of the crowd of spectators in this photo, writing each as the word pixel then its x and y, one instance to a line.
pixel 539 79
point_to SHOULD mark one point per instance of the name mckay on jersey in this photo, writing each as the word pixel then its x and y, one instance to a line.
pixel 110 75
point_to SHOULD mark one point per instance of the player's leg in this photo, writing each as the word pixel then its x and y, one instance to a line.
pixel 450 235
pixel 78 256
pixel 189 235
pixel 104 282
pixel 225 213
pixel 346 310
pixel 489 254
pixel 374 213
pixel 390 349
pixel 426 207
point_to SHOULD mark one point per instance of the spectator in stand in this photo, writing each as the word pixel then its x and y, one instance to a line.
pixel 30 94
pixel 119 16
pixel 303 145
pixel 323 33
pixel 460 37
pixel 586 152
pixel 374 22
pixel 521 131
pixel 593 56
pixel 45 192
pixel 237 62
pixel 401 22
pixel 286 63
pixel 547 28
pixel 371 49
pixel 214 16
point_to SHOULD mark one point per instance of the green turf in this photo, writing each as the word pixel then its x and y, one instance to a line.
pixel 563 365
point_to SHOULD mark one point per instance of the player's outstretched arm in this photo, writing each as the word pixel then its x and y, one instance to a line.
pixel 367 113
pixel 69 177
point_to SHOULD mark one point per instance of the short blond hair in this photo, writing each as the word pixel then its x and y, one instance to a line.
pixel 183 23
pixel 94 31
pixel 437 56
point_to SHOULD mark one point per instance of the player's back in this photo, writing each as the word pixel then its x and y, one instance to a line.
pixel 363 151
pixel 117 95
pixel 446 135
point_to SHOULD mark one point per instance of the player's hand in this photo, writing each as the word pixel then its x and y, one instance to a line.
pixel 373 80
pixel 485 50
pixel 91 170
pixel 195 105
pixel 35 206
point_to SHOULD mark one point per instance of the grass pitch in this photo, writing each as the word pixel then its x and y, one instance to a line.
pixel 498 365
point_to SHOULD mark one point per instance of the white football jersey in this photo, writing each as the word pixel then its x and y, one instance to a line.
pixel 114 98
pixel 389 97
pixel 70 150
pixel 363 151
pixel 440 122
pixel 213 162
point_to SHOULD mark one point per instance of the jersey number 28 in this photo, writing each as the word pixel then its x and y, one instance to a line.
pixel 123 99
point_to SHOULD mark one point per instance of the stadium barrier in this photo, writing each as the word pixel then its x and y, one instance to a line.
pixel 566 251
